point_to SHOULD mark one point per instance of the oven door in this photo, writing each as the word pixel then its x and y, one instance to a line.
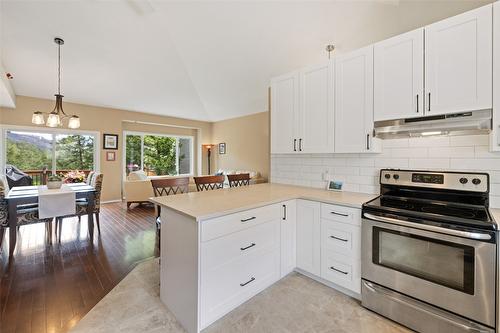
pixel 451 272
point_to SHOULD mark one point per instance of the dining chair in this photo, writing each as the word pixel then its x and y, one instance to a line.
pixel 242 179
pixel 207 183
pixel 89 177
pixel 27 214
pixel 81 205
pixel 168 186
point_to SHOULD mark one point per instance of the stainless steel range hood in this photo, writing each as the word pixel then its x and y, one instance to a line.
pixel 477 122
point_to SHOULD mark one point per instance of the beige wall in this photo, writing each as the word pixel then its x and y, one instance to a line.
pixel 107 120
pixel 247 143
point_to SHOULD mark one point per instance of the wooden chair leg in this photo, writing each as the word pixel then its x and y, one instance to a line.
pixel 98 224
pixel 128 204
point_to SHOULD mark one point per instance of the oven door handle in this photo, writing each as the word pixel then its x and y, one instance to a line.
pixel 459 233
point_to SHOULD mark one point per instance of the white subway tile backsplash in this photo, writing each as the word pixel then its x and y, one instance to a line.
pixel 360 172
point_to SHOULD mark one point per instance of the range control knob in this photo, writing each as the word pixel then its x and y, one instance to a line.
pixel 395 176
pixel 464 180
pixel 387 176
pixel 476 181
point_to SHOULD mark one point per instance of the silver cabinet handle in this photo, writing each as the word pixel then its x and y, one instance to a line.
pixel 340 214
pixel 338 270
pixel 340 239
pixel 244 284
pixel 452 232
pixel 247 247
pixel 248 219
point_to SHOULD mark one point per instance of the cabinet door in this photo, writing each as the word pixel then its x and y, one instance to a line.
pixel 316 109
pixel 288 237
pixel 495 133
pixel 309 236
pixel 458 63
pixel 354 101
pixel 284 112
pixel 399 76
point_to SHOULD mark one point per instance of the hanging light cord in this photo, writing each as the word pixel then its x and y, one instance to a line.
pixel 59 69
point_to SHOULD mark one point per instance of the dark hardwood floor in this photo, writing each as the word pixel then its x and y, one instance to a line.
pixel 50 283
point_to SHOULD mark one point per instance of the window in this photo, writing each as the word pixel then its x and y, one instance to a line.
pixel 40 152
pixel 158 154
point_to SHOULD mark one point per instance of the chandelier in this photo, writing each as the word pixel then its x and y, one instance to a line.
pixel 56 117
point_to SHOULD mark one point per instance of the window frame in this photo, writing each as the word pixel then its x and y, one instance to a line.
pixel 143 134
pixel 54 131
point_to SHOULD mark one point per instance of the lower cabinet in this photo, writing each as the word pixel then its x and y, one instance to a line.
pixel 236 267
pixel 309 236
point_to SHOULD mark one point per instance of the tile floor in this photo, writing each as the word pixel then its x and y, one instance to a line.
pixel 294 304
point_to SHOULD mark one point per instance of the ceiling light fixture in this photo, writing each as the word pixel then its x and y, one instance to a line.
pixel 56 117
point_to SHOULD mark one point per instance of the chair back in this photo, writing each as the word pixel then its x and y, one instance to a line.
pixel 207 183
pixel 170 186
pixel 242 179
pixel 4 209
pixel 96 182
pixel 89 177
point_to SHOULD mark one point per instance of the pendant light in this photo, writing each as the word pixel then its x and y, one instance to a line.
pixel 56 117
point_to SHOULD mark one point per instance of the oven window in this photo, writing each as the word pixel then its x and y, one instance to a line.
pixel 445 263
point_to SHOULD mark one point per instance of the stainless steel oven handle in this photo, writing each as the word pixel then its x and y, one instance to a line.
pixel 459 233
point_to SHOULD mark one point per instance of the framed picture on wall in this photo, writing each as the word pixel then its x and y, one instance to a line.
pixel 110 156
pixel 222 148
pixel 110 141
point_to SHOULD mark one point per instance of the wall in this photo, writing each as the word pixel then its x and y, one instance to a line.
pixel 360 172
pixel 247 143
pixel 107 120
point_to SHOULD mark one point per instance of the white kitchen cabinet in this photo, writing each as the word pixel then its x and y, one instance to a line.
pixel 495 133
pixel 309 236
pixel 302 111
pixel 284 113
pixel 288 237
pixel 399 76
pixel 458 63
pixel 316 119
pixel 354 102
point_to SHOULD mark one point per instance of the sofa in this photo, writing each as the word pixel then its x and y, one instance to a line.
pixel 255 177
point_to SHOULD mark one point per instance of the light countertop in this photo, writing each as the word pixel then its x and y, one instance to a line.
pixel 210 204
pixel 495 213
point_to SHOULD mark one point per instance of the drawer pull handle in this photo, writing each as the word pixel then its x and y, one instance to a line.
pixel 340 239
pixel 244 284
pixel 248 219
pixel 340 214
pixel 338 270
pixel 246 248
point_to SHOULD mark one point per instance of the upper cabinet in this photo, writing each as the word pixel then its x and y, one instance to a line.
pixel 495 133
pixel 316 109
pixel 302 111
pixel 285 113
pixel 458 63
pixel 399 76
pixel 354 102
pixel 443 68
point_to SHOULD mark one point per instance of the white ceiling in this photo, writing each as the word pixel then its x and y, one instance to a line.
pixel 204 60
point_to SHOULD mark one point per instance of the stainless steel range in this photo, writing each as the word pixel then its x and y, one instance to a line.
pixel 429 251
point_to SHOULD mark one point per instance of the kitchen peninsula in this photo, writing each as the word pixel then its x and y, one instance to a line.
pixel 220 248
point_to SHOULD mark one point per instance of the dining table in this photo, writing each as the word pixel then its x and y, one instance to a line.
pixel 29 195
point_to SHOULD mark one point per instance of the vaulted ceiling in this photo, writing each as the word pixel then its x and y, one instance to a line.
pixel 204 60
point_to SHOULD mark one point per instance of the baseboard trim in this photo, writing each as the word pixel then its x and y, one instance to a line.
pixel 329 284
pixel 111 201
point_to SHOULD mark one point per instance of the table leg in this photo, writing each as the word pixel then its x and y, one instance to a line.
pixel 90 214
pixel 12 227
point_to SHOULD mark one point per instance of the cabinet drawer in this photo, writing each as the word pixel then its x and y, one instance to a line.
pixel 341 238
pixel 226 287
pixel 341 270
pixel 253 240
pixel 341 214
pixel 225 225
